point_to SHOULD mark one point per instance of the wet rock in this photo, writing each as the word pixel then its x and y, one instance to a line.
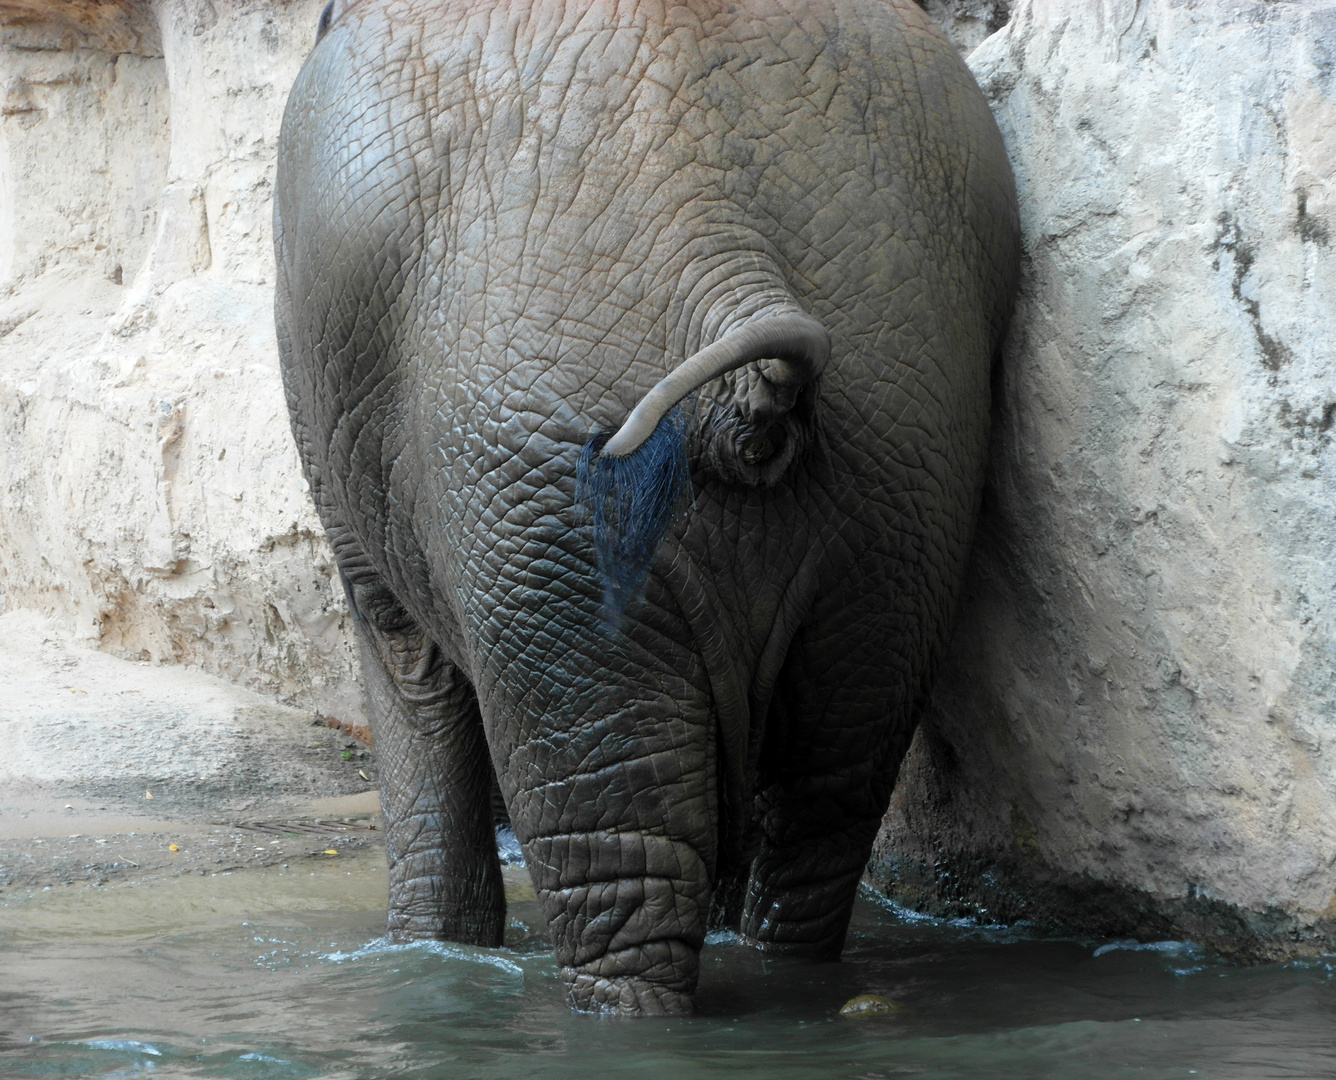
pixel 1133 729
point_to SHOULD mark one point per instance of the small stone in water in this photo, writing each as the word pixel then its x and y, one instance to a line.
pixel 869 1005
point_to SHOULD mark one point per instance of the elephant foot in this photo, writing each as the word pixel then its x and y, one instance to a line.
pixel 807 923
pixel 823 951
pixel 624 995
pixel 486 930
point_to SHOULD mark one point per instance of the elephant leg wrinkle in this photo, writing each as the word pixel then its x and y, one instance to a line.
pixel 544 271
pixel 440 839
pixel 626 912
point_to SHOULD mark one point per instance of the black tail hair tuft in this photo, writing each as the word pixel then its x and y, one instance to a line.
pixel 632 500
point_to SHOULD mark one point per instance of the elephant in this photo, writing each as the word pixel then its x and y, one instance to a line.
pixel 638 357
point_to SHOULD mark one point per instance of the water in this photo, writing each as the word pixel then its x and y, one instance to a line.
pixel 182 986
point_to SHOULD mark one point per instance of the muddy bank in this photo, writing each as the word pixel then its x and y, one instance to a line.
pixel 118 772
pixel 84 846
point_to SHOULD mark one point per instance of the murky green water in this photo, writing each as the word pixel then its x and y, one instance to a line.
pixel 292 995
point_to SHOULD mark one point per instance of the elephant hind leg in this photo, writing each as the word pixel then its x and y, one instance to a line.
pixel 626 911
pixel 728 898
pixel 436 777
pixel 841 722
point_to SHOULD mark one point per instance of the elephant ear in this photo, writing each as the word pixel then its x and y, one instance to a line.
pixel 632 499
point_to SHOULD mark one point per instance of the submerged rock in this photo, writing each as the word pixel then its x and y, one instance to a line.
pixel 870 1005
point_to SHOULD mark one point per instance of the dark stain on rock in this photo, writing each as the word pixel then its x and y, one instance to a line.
pixel 994 14
pixel 1322 45
pixel 1019 886
pixel 1303 424
pixel 935 856
pixel 1310 229
pixel 1275 353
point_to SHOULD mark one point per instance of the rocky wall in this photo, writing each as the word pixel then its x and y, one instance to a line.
pixel 149 491
pixel 1135 731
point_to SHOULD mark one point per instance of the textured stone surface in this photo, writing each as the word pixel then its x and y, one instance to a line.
pixel 112 26
pixel 1136 729
pixel 968 22
pixel 78 724
pixel 149 491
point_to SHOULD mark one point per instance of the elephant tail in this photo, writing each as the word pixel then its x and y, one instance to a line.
pixel 792 349
pixel 632 481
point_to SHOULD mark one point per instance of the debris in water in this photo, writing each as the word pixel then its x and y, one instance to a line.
pixel 360 732
pixel 870 1005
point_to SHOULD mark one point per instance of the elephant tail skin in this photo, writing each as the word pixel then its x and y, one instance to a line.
pixel 632 481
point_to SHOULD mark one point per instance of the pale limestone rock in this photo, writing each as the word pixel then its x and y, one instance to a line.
pixel 1136 727
pixel 149 490
pixel 79 724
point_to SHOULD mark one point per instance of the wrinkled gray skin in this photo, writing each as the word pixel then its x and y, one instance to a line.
pixel 500 223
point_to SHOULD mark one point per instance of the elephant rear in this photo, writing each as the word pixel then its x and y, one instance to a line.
pixel 753 262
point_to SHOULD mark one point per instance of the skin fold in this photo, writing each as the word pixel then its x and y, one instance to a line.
pixel 500 224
